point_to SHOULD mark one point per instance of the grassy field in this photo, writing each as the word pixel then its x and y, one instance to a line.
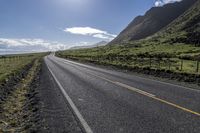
pixel 179 58
pixel 12 64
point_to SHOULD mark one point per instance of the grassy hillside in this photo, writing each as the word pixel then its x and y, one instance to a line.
pixel 185 29
pixel 174 49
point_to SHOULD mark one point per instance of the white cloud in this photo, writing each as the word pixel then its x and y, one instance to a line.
pixel 102 36
pixel 88 31
pixel 163 2
pixel 34 45
pixel 158 3
pixel 84 31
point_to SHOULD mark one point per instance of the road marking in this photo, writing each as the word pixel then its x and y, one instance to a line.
pixel 126 86
pixel 135 89
pixel 148 95
pixel 177 106
pixel 73 106
pixel 162 82
pixel 144 93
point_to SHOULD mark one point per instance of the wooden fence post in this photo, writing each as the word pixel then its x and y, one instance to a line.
pixel 150 62
pixel 197 70
pixel 181 65
pixel 134 60
pixel 169 64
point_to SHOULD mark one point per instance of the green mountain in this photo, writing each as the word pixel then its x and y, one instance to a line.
pixel 153 21
pixel 185 29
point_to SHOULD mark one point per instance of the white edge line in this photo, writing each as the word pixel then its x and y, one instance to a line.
pixel 73 106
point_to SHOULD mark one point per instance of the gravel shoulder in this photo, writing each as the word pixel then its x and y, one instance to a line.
pixel 55 113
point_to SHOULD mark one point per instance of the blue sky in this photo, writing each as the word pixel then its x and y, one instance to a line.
pixel 40 25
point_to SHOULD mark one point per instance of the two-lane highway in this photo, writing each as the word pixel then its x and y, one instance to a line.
pixel 107 101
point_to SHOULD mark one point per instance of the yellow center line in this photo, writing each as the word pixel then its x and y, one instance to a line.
pixel 176 106
pixel 148 95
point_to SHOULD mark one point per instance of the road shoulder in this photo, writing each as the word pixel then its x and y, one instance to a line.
pixel 55 112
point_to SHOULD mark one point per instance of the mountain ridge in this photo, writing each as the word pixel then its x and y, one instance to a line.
pixel 185 29
pixel 153 21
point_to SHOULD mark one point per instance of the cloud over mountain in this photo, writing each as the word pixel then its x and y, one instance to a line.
pixel 88 31
pixel 163 2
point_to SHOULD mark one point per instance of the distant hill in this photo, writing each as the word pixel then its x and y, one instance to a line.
pixel 102 43
pixel 153 21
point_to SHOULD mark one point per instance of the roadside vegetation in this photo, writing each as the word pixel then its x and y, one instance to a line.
pixel 174 57
pixel 18 104
pixel 174 61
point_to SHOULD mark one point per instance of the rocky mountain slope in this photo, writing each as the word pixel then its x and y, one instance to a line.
pixel 153 21
pixel 185 29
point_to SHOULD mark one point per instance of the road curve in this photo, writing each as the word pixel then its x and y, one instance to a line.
pixel 107 101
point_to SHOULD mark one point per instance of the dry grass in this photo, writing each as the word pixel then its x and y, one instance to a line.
pixel 13 114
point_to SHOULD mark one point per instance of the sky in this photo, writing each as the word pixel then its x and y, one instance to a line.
pixel 43 25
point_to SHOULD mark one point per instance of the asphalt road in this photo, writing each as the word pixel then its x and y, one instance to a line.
pixel 107 101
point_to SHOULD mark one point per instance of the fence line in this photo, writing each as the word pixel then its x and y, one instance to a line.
pixel 174 64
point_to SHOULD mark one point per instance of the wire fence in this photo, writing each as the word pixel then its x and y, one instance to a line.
pixel 172 64
pixel 4 59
